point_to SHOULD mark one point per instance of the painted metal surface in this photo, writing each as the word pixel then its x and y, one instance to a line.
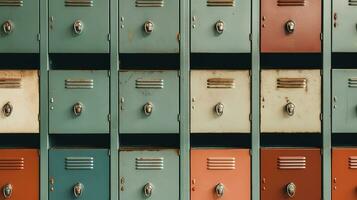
pixel 78 26
pixel 149 174
pixel 78 174
pixel 149 100
pixel 220 174
pixel 220 26
pixel 19 101
pixel 220 101
pixel 19 174
pixel 343 26
pixel 149 26
pixel 291 101
pixel 290 173
pixel 79 101
pixel 291 26
pixel 344 171
pixel 344 97
pixel 19 26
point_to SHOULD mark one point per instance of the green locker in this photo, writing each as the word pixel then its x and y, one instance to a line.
pixel 78 174
pixel 344 29
pixel 344 100
pixel 79 26
pixel 19 21
pixel 220 26
pixel 149 174
pixel 79 101
pixel 149 101
pixel 149 26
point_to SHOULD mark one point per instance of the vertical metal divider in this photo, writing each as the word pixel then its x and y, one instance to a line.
pixel 185 100
pixel 326 99
pixel 44 67
pixel 255 84
pixel 114 90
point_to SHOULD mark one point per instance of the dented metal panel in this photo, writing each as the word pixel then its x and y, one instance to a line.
pixel 19 101
pixel 220 173
pixel 291 26
pixel 19 174
pixel 290 173
pixel 149 173
pixel 220 101
pixel 149 100
pixel 291 101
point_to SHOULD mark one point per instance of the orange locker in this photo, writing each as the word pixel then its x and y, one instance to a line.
pixel 220 174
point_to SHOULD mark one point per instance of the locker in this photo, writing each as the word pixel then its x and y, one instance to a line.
pixel 344 106
pixel 78 174
pixel 344 31
pixel 220 174
pixel 19 101
pixel 290 26
pixel 220 101
pixel 220 26
pixel 79 101
pixel 149 174
pixel 78 26
pixel 19 21
pixel 149 100
pixel 344 165
pixel 290 101
pixel 19 174
pixel 290 173
pixel 149 26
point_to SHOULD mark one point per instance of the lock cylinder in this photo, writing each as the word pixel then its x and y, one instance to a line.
pixel 148 108
pixel 7 109
pixel 219 190
pixel 78 108
pixel 7 27
pixel 7 191
pixel 148 27
pixel 219 108
pixel 148 189
pixel 219 26
pixel 78 190
pixel 290 109
pixel 291 189
pixel 290 26
pixel 78 27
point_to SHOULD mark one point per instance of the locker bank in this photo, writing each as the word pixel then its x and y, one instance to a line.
pixel 178 100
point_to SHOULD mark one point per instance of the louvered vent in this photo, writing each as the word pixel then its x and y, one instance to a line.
pixel 292 162
pixel 291 2
pixel 221 3
pixel 79 163
pixel 149 3
pixel 149 83
pixel 220 83
pixel 352 82
pixel 352 2
pixel 12 163
pixel 291 83
pixel 78 3
pixel 10 83
pixel 153 163
pixel 11 3
pixel 221 163
pixel 352 162
pixel 79 83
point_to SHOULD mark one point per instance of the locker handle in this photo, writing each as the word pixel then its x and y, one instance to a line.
pixel 78 27
pixel 290 109
pixel 291 189
pixel 78 190
pixel 290 26
pixel 219 26
pixel 148 27
pixel 7 109
pixel 220 189
pixel 148 108
pixel 78 109
pixel 7 191
pixel 7 27
pixel 219 108
pixel 148 188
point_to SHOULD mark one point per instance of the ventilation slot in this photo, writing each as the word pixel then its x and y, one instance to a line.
pixel 79 163
pixel 292 162
pixel 221 3
pixel 150 84
pixel 352 82
pixel 149 3
pixel 220 83
pixel 352 162
pixel 78 3
pixel 352 2
pixel 291 2
pixel 149 163
pixel 12 163
pixel 79 84
pixel 221 163
pixel 291 83
pixel 10 82
pixel 11 3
